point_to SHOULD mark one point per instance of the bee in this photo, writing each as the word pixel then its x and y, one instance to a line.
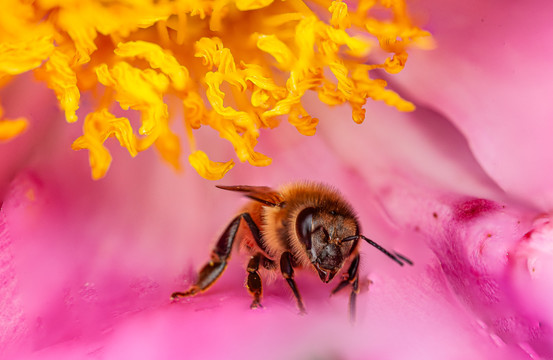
pixel 302 225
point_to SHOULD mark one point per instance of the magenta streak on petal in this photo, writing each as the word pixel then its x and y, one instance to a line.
pixel 474 256
pixel 472 209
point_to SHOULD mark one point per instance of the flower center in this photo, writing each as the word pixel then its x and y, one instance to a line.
pixel 235 66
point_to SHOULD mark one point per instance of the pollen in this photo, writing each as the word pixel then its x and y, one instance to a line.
pixel 236 67
pixel 10 128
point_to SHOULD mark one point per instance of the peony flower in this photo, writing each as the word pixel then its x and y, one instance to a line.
pixel 87 266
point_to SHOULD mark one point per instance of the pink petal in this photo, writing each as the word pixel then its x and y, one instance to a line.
pixel 489 76
pixel 420 170
pixel 95 263
pixel 38 105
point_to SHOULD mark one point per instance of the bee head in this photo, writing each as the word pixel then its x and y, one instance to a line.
pixel 321 232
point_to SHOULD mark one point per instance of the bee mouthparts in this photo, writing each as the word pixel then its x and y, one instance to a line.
pixel 324 274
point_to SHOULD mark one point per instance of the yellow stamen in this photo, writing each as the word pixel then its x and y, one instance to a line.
pixel 61 78
pixel 98 127
pixel 238 66
pixel 18 57
pixel 10 128
pixel 157 58
pixel 208 169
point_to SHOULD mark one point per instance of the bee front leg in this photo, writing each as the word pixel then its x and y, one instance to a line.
pixel 288 273
pixel 253 283
pixel 351 277
pixel 220 255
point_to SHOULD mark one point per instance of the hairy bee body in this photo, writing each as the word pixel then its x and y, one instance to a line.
pixel 301 225
pixel 279 222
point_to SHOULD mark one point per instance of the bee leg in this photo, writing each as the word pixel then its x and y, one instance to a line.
pixel 220 255
pixel 351 277
pixel 253 282
pixel 288 273
pixel 353 299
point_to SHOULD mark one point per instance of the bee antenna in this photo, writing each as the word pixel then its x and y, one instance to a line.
pixel 397 258
pixel 404 258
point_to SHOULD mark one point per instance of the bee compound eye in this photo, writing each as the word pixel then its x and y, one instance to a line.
pixel 304 226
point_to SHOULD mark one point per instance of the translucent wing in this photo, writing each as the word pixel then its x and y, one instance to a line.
pixel 263 194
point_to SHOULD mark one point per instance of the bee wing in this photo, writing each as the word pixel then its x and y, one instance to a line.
pixel 263 194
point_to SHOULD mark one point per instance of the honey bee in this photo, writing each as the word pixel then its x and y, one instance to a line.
pixel 302 225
